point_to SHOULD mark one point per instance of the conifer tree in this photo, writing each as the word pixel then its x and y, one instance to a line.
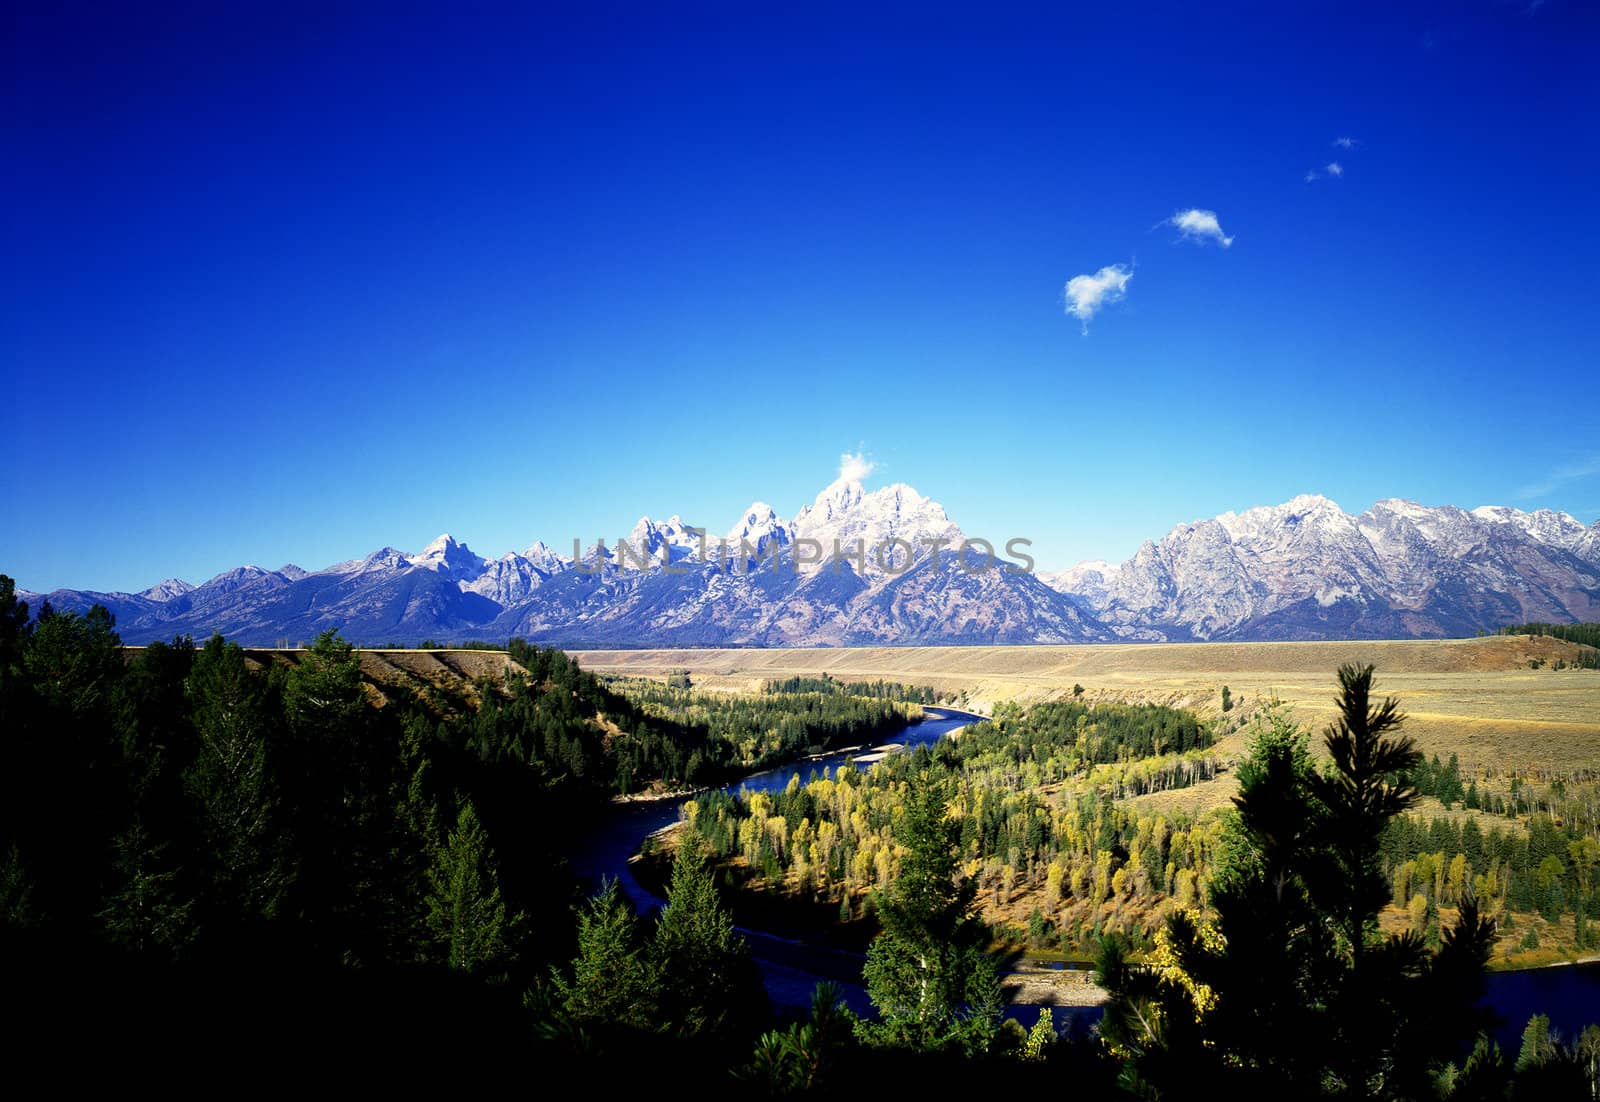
pixel 709 984
pixel 471 930
pixel 927 972
pixel 613 980
pixel 231 780
pixel 145 913
pixel 1290 990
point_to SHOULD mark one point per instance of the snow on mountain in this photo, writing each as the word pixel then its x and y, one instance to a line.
pixel 648 538
pixel 761 528
pixel 165 591
pixel 1307 569
pixel 1304 569
pixel 514 576
pixel 845 517
pixel 1089 579
pixel 445 556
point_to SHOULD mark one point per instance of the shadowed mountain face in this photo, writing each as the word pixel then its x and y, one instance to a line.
pixel 858 568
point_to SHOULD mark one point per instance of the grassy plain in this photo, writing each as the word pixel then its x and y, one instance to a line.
pixel 1477 698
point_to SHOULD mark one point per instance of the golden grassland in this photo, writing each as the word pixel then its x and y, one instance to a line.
pixel 1477 698
pixel 446 678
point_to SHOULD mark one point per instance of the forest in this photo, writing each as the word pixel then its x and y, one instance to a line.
pixel 183 819
pixel 727 733
pixel 206 859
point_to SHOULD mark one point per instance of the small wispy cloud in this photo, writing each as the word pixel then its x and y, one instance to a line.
pixel 1087 294
pixel 1311 177
pixel 1562 476
pixel 1345 143
pixel 1199 226
pixel 1334 168
pixel 854 466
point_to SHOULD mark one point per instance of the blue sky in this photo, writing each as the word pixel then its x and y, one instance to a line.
pixel 297 283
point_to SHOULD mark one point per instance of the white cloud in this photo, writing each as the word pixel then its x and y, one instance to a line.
pixel 1086 294
pixel 1582 470
pixel 1311 177
pixel 1199 225
pixel 1334 168
pixel 854 467
pixel 1345 143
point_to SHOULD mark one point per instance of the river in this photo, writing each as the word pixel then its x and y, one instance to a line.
pixel 1569 995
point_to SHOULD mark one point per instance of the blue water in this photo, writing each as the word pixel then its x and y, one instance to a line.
pixel 1569 995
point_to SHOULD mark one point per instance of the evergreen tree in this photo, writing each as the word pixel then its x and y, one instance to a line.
pixel 231 781
pixel 1364 790
pixel 470 927
pixel 16 893
pixel 145 913
pixel 928 973
pixel 1293 992
pixel 709 985
pixel 613 981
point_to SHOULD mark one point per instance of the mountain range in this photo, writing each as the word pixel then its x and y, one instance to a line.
pixel 907 574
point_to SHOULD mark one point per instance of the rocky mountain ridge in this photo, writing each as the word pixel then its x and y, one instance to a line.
pixel 1304 569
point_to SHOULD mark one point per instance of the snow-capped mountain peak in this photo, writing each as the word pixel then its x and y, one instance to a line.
pixel 1303 569
pixel 859 520
pixel 1307 569
pixel 761 528
pixel 450 558
pixel 839 496
pixel 648 537
pixel 544 557
pixel 1545 525
pixel 167 590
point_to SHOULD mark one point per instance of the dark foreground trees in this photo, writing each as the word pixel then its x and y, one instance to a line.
pixel 1291 990
pixel 928 973
pixel 691 978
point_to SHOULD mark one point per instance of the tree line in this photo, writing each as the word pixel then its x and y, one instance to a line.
pixel 728 733
pixel 1586 635
pixel 879 689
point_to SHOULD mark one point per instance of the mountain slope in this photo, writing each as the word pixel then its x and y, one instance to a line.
pixel 1304 569
pixel 1308 570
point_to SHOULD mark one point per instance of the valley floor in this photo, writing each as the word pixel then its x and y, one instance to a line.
pixel 1477 698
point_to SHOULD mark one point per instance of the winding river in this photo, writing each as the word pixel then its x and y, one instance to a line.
pixel 1570 995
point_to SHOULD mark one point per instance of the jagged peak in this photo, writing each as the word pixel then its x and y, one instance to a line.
pixel 167 590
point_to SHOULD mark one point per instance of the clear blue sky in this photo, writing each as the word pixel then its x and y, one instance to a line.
pixel 295 284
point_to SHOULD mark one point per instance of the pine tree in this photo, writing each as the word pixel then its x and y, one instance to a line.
pixel 927 973
pixel 467 919
pixel 613 981
pixel 231 781
pixel 16 893
pixel 145 914
pixel 708 981
pixel 1293 990
pixel 1363 791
